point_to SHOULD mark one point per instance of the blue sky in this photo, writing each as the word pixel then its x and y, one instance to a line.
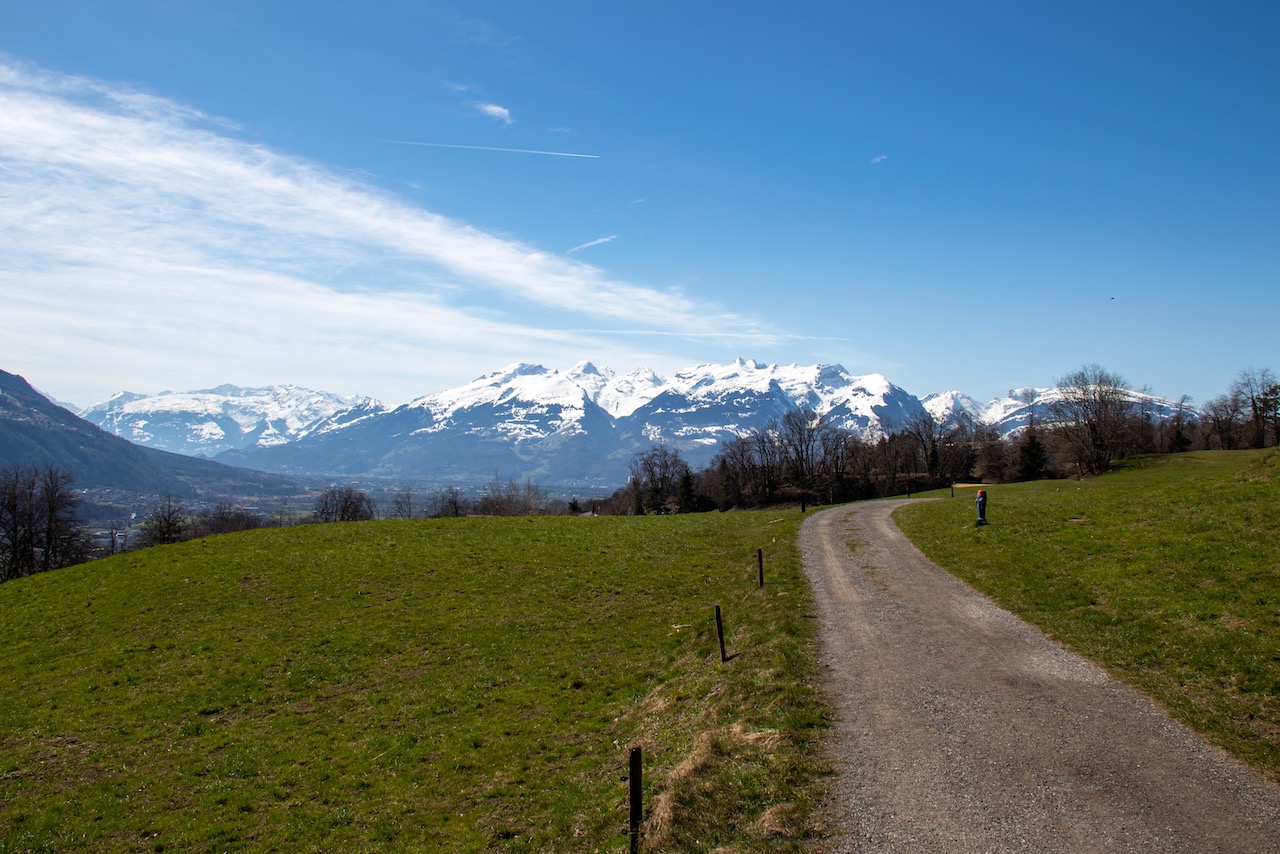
pixel 392 198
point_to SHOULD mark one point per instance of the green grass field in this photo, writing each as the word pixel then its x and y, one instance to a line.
pixel 475 684
pixel 459 685
pixel 1166 570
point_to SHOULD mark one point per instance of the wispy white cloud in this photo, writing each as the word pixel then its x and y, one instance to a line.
pixel 879 158
pixel 597 242
pixel 494 111
pixel 141 239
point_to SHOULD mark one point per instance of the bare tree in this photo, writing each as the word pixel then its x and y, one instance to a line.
pixel 1178 440
pixel 167 523
pixel 732 465
pixel 344 504
pixel 991 454
pixel 834 464
pixel 1224 420
pixel 18 503
pixel 926 434
pixel 861 457
pixel 957 454
pixel 1259 390
pixel 404 504
pixel 512 499
pixel 747 468
pixel 449 503
pixel 62 540
pixel 1142 422
pixel 39 529
pixel 768 455
pixel 225 519
pixel 800 437
pixel 119 537
pixel 656 475
pixel 1092 411
pixel 889 454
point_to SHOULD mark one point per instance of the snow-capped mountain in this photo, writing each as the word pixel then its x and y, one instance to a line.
pixel 1012 413
pixel 210 421
pixel 36 431
pixel 618 395
pixel 710 403
pixel 582 425
pixel 535 402
pixel 952 409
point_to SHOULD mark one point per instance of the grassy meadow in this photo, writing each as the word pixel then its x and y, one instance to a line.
pixel 456 685
pixel 475 684
pixel 1166 570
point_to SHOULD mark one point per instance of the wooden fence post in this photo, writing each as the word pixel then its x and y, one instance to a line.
pixel 720 634
pixel 637 800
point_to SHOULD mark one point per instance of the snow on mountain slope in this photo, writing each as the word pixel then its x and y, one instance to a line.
pixel 581 425
pixel 872 406
pixel 865 404
pixel 528 401
pixel 209 421
pixel 699 408
pixel 584 423
pixel 1012 413
pixel 622 394
pixel 951 408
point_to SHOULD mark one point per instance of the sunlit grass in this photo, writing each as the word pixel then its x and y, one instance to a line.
pixel 1166 570
pixel 455 684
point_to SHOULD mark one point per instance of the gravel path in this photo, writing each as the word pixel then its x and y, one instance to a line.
pixel 963 728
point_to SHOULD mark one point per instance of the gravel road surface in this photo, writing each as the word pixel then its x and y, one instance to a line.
pixel 962 728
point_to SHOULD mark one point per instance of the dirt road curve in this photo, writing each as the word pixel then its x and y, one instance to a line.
pixel 964 729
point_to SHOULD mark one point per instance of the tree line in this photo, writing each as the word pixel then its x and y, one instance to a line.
pixel 495 498
pixel 1093 421
pixel 39 529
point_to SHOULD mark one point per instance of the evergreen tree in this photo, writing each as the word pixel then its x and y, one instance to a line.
pixel 1031 456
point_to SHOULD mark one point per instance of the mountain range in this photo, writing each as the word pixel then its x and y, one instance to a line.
pixel 576 427
pixel 209 421
pixel 35 431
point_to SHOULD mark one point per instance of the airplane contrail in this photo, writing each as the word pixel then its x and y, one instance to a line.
pixel 490 148
pixel 596 242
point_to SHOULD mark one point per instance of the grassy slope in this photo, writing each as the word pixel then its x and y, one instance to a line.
pixel 1167 571
pixel 456 684
pixel 471 684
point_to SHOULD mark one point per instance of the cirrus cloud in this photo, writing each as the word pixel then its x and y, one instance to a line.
pixel 141 239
